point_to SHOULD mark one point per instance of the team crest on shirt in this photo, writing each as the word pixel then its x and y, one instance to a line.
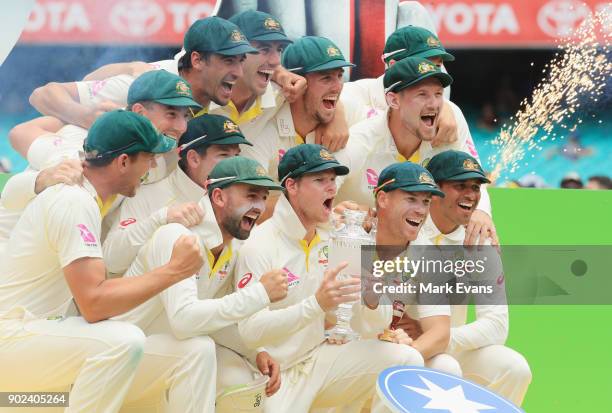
pixel 425 67
pixel 323 255
pixel 230 127
pixel 433 42
pixel 333 51
pixel 237 36
pixel 86 235
pixel 471 165
pixel 271 24
pixel 292 279
pixel 223 271
pixel 372 178
pixel 425 178
pixel 246 278
pixel 325 155
pixel 182 88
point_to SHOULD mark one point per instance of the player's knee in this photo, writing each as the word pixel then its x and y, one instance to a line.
pixel 127 338
pixel 401 355
pixel 446 363
pixel 200 349
pixel 518 368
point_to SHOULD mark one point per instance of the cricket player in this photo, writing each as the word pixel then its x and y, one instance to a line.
pixel 174 199
pixel 365 98
pixel 205 304
pixel 54 257
pixel 414 93
pixel 254 98
pixel 403 196
pixel 321 63
pixel 53 155
pixel 315 374
pixel 215 51
pixel 479 345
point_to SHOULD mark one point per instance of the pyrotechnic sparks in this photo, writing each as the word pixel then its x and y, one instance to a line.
pixel 578 73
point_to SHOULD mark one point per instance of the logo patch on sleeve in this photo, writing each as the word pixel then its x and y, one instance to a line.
pixel 88 238
pixel 372 177
pixel 292 279
pixel 246 278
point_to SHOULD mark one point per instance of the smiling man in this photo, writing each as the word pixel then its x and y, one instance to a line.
pixel 414 88
pixel 206 303
pixel 54 257
pixel 315 374
pixel 208 139
pixel 321 63
pixel 479 345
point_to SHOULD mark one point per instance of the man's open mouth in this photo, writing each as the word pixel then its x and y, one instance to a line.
pixel 466 205
pixel 429 119
pixel 329 102
pixel 227 85
pixel 327 204
pixel 414 222
pixel 265 74
pixel 248 221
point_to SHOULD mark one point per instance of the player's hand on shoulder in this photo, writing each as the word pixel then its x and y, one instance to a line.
pixel 480 229
pixel 188 214
pixel 275 283
pixel 447 127
pixel 186 259
pixel 68 171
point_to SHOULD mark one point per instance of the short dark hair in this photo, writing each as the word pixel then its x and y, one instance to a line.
pixel 185 60
pixel 146 103
pixel 200 150
pixel 107 160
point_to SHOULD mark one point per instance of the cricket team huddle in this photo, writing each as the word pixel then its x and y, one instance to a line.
pixel 167 247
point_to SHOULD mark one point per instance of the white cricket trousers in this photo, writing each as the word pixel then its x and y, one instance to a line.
pixel 341 376
pixel 99 359
pixel 174 376
pixel 499 368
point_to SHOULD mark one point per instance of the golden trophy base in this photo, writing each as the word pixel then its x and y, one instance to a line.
pixel 387 335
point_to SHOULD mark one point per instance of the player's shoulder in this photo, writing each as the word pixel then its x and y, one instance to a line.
pixel 171 231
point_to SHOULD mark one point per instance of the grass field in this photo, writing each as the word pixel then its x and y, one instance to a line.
pixel 567 346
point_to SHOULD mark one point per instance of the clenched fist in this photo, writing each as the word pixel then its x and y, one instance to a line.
pixel 188 214
pixel 186 259
pixel 275 283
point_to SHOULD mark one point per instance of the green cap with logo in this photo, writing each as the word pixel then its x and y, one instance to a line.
pixel 410 71
pixel 119 131
pixel 209 130
pixel 308 158
pixel 455 166
pixel 240 170
pixel 260 26
pixel 408 177
pixel 313 54
pixel 414 41
pixel 162 87
pixel 216 35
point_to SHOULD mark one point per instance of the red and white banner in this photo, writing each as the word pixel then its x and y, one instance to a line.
pixel 510 23
pixel 160 22
pixel 460 23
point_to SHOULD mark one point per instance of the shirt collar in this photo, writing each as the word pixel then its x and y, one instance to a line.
pixel 289 223
pixel 188 190
pixel 433 234
pixel 103 207
pixel 208 230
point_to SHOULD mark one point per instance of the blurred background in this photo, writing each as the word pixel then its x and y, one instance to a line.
pixel 501 47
